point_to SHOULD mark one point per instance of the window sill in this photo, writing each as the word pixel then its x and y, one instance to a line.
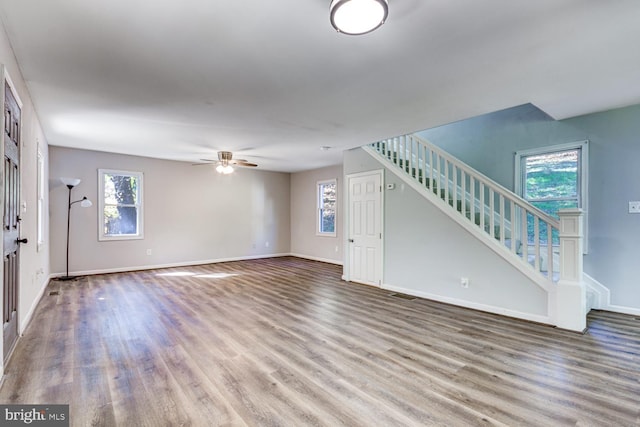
pixel 326 234
pixel 125 237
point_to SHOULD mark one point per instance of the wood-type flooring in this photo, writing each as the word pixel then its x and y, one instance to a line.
pixel 285 342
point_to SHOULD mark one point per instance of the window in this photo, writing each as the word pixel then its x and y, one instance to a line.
pixel 554 178
pixel 327 192
pixel 120 205
pixel 40 194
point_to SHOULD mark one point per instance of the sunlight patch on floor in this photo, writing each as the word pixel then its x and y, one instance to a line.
pixel 176 274
pixel 202 276
pixel 216 275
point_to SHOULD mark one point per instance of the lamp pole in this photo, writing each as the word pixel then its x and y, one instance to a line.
pixel 66 277
pixel 85 203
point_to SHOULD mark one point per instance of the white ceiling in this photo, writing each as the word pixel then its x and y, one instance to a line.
pixel 272 79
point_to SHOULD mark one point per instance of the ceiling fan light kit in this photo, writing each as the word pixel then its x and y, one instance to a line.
pixel 224 169
pixel 225 162
pixel 356 17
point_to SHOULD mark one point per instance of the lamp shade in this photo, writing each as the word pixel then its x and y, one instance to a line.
pixel 86 203
pixel 70 181
pixel 356 17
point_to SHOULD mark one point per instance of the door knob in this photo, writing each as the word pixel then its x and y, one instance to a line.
pixel 350 240
pixel 22 240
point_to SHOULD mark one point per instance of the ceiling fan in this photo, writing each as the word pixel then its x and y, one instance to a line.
pixel 225 162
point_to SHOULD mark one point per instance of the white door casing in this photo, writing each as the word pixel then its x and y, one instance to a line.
pixel 364 237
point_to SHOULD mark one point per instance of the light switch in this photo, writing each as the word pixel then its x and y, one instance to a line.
pixel 634 207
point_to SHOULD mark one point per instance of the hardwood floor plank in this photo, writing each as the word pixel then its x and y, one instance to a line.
pixel 283 341
pixel 90 401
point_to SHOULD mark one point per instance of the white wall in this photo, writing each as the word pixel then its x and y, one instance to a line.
pixel 34 265
pixel 304 241
pixel 191 213
pixel 426 254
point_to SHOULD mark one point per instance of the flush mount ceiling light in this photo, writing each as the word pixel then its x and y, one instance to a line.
pixel 355 17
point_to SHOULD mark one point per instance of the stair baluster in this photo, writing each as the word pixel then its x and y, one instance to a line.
pixel 480 200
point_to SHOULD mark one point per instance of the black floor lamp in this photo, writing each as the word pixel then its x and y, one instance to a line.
pixel 85 203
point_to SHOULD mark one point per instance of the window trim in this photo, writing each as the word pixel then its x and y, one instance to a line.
pixel 101 205
pixel 319 232
pixel 583 192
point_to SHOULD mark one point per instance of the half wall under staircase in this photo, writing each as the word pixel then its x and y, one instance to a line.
pixel 548 251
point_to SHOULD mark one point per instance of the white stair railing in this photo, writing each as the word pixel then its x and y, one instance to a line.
pixel 521 228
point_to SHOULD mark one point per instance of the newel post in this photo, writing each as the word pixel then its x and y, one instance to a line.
pixel 571 298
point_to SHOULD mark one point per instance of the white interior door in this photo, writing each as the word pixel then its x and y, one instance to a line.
pixel 365 228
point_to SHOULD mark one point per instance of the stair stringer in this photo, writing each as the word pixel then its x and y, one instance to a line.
pixel 490 242
pixel 602 297
pixel 601 294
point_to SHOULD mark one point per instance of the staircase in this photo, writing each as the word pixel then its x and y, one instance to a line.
pixel 520 228
pixel 527 237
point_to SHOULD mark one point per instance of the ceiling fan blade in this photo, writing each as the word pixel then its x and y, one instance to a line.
pixel 226 158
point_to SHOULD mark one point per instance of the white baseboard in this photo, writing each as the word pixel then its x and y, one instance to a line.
pixel 169 265
pixel 22 325
pixel 623 309
pixel 473 305
pixel 314 258
pixel 27 319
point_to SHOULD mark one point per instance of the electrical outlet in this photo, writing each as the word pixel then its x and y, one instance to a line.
pixel 266 244
pixel 464 281
pixel 149 252
pixel 634 207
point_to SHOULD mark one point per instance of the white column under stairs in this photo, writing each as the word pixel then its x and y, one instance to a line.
pixel 571 299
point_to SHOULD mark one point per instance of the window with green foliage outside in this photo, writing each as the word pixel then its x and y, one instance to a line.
pixel 551 181
pixel 121 205
pixel 327 199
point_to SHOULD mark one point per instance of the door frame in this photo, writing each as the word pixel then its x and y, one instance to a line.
pixel 347 223
pixel 4 73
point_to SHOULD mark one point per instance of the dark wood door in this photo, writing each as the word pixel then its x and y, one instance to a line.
pixel 11 220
